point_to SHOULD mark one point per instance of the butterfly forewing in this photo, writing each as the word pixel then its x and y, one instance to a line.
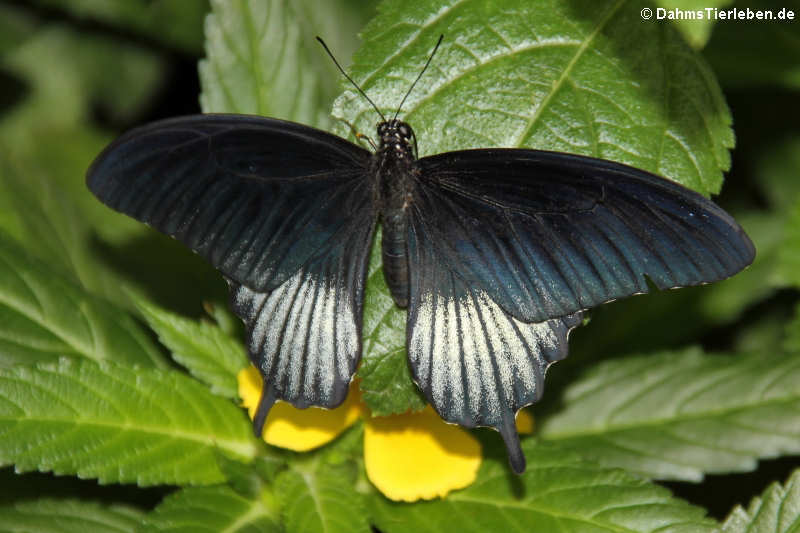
pixel 547 234
pixel 284 211
pixel 257 197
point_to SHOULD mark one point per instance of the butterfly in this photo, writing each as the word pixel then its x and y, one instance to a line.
pixel 494 252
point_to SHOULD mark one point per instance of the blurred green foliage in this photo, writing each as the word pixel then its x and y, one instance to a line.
pixel 674 385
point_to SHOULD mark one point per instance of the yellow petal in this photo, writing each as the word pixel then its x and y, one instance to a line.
pixel 419 456
pixel 525 423
pixel 295 429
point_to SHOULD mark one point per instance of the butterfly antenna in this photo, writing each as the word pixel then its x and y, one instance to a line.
pixel 325 46
pixel 418 77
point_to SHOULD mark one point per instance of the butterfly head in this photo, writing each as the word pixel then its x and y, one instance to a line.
pixel 398 136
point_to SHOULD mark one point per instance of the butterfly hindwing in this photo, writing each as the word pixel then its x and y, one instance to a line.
pixel 257 197
pixel 547 234
pixel 305 336
pixel 476 364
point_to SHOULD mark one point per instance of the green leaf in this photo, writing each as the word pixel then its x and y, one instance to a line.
pixel 262 58
pixel 117 424
pixel 320 500
pixel 679 415
pixel 696 30
pixel 587 77
pixel 43 315
pixel 56 166
pixel 40 214
pixel 214 509
pixel 242 478
pixel 225 319
pixel 65 516
pixel 210 354
pixel 386 384
pixel 570 87
pixel 777 510
pixel 558 492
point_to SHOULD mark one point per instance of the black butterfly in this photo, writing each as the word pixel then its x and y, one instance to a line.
pixel 495 252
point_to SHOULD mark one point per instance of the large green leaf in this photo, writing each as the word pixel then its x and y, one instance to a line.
pixel 531 74
pixel 586 77
pixel 118 424
pixel 214 509
pixel 320 498
pixel 45 205
pixel 43 316
pixel 39 213
pixel 679 415
pixel 777 510
pixel 262 57
pixel 210 354
pixel 67 516
pixel 558 492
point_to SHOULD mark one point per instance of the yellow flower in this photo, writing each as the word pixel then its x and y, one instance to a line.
pixel 407 457
pixel 299 430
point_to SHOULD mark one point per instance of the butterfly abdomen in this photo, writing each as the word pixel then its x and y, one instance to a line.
pixel 394 162
pixel 394 250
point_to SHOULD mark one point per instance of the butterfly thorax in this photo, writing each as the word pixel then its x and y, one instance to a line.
pixel 394 163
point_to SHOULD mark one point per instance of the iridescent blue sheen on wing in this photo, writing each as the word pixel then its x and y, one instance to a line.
pixel 495 252
pixel 305 336
pixel 475 363
pixel 547 234
pixel 255 196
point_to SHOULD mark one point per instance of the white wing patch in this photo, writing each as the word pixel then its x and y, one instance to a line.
pixel 478 364
pixel 304 335
pixel 475 362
